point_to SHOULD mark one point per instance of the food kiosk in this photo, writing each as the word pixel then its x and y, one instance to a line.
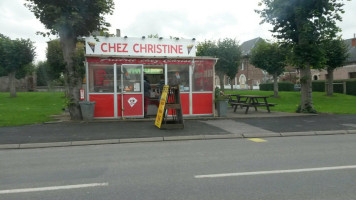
pixel 116 66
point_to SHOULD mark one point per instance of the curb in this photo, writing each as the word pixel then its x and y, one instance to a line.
pixel 173 138
pixel 289 134
pixel 261 135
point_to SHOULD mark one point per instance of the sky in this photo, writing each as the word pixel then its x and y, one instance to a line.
pixel 200 19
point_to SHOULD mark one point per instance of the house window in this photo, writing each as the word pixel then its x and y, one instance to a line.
pixel 352 74
pixel 242 66
pixel 315 77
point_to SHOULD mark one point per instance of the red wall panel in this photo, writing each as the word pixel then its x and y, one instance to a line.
pixel 133 105
pixel 104 106
pixel 119 113
pixel 202 103
pixel 185 103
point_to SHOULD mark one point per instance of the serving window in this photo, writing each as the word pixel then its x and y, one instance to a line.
pixel 179 74
pixel 132 75
pixel 101 78
pixel 203 76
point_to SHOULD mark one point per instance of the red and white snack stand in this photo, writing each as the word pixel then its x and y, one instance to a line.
pixel 116 66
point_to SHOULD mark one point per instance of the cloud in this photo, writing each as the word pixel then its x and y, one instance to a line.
pixel 199 19
pixel 18 22
pixel 183 24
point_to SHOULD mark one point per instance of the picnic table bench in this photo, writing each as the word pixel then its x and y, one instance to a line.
pixel 249 101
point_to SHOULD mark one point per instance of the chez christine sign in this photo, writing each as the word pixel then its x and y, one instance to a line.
pixel 150 47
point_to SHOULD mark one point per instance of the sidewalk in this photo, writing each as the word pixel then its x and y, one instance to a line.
pixel 236 125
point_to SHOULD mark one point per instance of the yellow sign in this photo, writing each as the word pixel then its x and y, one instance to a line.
pixel 162 103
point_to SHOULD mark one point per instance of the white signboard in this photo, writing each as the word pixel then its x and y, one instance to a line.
pixel 148 47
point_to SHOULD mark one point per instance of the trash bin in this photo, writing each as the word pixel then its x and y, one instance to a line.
pixel 222 107
pixel 87 108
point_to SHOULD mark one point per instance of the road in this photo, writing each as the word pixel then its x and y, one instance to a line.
pixel 309 167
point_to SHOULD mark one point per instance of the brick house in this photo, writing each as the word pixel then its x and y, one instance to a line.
pixel 249 76
pixel 347 71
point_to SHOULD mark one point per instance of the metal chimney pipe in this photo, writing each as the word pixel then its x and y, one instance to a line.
pixel 118 33
pixel 353 41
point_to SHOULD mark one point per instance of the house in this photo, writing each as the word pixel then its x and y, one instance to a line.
pixel 347 71
pixel 249 76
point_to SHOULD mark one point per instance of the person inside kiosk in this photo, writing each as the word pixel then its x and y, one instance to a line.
pixel 147 94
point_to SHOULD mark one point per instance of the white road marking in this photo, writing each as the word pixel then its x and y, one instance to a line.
pixel 276 172
pixel 64 187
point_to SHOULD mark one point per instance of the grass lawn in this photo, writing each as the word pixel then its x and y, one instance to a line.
pixel 289 101
pixel 29 107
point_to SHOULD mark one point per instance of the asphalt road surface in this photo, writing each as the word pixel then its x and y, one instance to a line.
pixel 309 167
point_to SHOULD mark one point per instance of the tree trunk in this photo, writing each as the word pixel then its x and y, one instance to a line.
pixel 232 84
pixel 330 80
pixel 222 85
pixel 73 79
pixel 306 104
pixel 275 85
pixel 12 85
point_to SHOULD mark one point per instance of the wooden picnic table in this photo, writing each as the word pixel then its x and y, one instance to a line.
pixel 250 101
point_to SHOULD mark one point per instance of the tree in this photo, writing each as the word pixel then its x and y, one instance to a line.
pixel 229 54
pixel 55 61
pixel 71 19
pixel 270 57
pixel 336 53
pixel 303 24
pixel 207 48
pixel 16 57
pixel 42 73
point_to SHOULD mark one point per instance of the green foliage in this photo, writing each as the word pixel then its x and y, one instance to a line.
pixel 75 17
pixel 42 73
pixel 336 52
pixel 266 86
pixel 16 58
pixel 219 95
pixel 282 86
pixel 153 36
pixel 55 61
pixel 270 57
pixel 303 25
pixel 16 55
pixel 339 87
pixel 78 60
pixel 207 48
pixel 25 70
pixel 227 50
pixel 2 71
pixel 229 54
pixel 318 86
pixel 351 87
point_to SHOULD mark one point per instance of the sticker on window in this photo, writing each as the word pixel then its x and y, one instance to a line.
pixel 132 101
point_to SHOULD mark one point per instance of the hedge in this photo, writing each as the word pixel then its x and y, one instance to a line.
pixel 282 86
pixel 319 86
pixel 351 87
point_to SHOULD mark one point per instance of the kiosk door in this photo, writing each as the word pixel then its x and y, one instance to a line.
pixel 130 101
